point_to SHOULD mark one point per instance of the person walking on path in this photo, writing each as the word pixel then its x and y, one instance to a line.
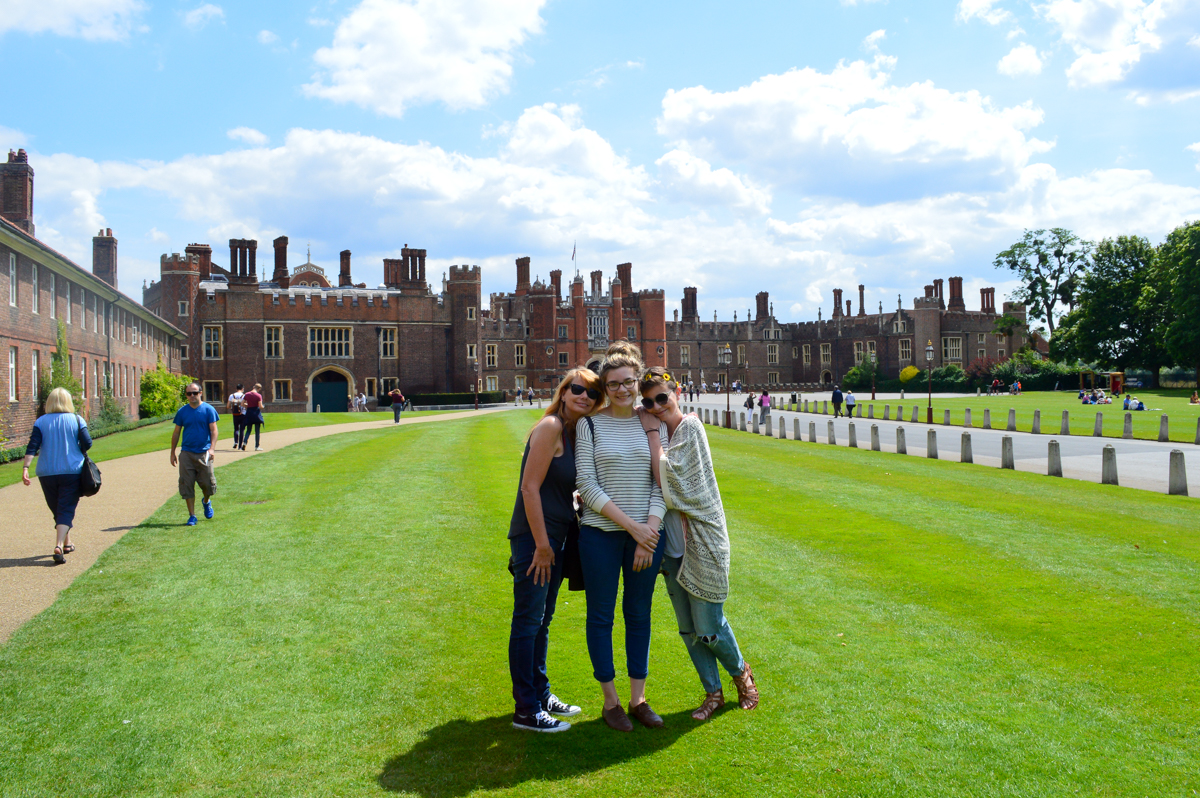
pixel 236 409
pixel 542 519
pixel 850 400
pixel 836 398
pixel 253 418
pixel 695 562
pixel 397 404
pixel 59 440
pixel 196 422
pixel 764 407
pixel 618 538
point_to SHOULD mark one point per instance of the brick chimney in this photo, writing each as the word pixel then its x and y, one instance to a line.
pixel 689 304
pixel 862 311
pixel 761 310
pixel 522 276
pixel 625 275
pixel 281 277
pixel 956 295
pixel 937 291
pixel 104 257
pixel 203 252
pixel 556 281
pixel 344 275
pixel 16 190
pixel 597 282
pixel 837 302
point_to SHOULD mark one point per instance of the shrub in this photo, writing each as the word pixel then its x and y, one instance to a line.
pixel 162 392
pixel 111 413
pixel 908 373
pixel 59 374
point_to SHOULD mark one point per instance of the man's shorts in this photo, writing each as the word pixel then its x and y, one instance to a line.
pixel 194 471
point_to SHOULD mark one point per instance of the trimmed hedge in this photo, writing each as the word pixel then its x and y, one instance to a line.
pixel 485 397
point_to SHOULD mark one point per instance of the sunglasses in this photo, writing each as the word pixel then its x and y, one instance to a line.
pixel 579 390
pixel 192 393
pixel 662 399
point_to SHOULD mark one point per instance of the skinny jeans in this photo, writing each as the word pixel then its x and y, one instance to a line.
pixel 529 636
pixel 706 634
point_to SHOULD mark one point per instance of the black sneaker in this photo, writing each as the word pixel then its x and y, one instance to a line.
pixel 556 707
pixel 541 722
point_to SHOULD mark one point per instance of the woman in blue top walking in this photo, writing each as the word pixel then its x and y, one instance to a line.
pixel 58 440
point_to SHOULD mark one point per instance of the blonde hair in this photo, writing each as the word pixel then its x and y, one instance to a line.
pixel 258 386
pixel 657 375
pixel 619 355
pixel 587 377
pixel 60 401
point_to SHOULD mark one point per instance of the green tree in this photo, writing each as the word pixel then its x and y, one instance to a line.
pixel 162 392
pixel 59 374
pixel 1179 258
pixel 1007 325
pixel 1121 316
pixel 1049 263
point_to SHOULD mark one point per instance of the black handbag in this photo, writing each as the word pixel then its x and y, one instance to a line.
pixel 89 475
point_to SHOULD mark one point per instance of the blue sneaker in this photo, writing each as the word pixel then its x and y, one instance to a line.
pixel 191 520
pixel 208 509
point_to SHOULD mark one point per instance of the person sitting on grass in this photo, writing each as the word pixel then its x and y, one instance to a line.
pixel 1195 400
pixel 542 520
pixel 59 439
pixel 695 562
pixel 197 421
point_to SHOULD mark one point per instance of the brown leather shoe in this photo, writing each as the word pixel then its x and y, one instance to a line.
pixel 617 719
pixel 712 702
pixel 747 689
pixel 646 716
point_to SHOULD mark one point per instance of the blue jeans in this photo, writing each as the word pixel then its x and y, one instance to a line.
pixel 533 609
pixel 605 556
pixel 705 632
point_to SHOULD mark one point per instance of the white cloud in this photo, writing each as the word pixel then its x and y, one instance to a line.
pixel 832 132
pixel 1109 37
pixel 200 16
pixel 1194 41
pixel 1196 149
pixel 98 20
pixel 982 9
pixel 267 37
pixel 685 177
pixel 388 55
pixel 158 236
pixel 12 138
pixel 871 42
pixel 248 135
pixel 1021 61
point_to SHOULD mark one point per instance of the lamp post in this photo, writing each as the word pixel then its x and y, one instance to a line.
pixel 929 360
pixel 872 375
pixel 725 356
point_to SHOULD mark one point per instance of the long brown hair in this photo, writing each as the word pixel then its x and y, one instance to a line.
pixel 586 376
pixel 657 375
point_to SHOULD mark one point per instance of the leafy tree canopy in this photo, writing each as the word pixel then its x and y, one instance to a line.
pixel 1049 263
pixel 1179 259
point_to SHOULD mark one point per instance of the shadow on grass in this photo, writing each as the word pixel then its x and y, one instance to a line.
pixel 462 756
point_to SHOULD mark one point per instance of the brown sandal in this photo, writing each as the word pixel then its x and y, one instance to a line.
pixel 712 702
pixel 747 689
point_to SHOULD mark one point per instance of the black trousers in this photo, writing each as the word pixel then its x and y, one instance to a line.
pixel 62 496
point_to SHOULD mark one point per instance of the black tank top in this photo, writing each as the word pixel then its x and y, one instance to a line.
pixel 557 489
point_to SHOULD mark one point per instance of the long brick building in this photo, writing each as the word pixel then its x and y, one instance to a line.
pixel 112 338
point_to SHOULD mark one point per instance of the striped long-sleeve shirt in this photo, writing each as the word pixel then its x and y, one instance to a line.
pixel 616 467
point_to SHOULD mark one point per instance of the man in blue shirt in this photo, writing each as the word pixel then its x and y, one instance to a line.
pixel 197 421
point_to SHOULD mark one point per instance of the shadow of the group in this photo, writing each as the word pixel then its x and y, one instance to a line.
pixel 462 756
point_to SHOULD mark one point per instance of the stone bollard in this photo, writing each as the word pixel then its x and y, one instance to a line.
pixel 967 418
pixel 767 429
pixel 1098 429
pixel 706 421
pixel 901 393
pixel 887 409
pixel 1012 420
pixel 931 444
pixel 853 444
pixel 1066 423
pixel 899 412
pixel 831 435
pixel 1177 478
pixel 1053 459
pixel 1198 432
pixel 1163 429
pixel 964 454
pixel 858 410
pixel 987 419
pixel 539 403
pixel 977 391
pixel 946 418
pixel 825 407
pixel 875 437
pixel 870 411
pixel 1036 429
pixel 318 408
pixel 812 432
pixel 754 423
pixel 795 429
pixel 901 448
pixel 782 429
pixel 1108 466
pixel 914 418
pixel 742 422
pixel 805 405
pixel 1006 453
pixel 1128 431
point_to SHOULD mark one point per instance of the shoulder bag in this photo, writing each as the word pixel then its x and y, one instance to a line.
pixel 89 475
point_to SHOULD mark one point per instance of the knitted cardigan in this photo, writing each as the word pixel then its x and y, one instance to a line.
pixel 689 486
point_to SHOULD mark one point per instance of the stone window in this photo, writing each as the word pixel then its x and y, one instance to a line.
pixel 83 378
pixel 183 307
pixel 281 390
pixel 96 378
pixel 273 341
pixel 95 314
pixel 859 352
pixel 389 384
pixel 795 352
pixel 772 378
pixel 951 349
pixel 772 354
pixel 562 332
pixel 808 354
pixel 12 279
pixel 212 343
pixel 981 354
pixel 826 354
pixel 519 382
pixel 470 313
pixel 564 359
pixel 778 333
pixel 870 347
pixel 470 351
pixel 34 383
pixel 490 355
pixel 68 292
pixel 899 326
pixel 905 350
pixel 12 374
pixel 741 354
pixel 387 343
pixel 330 342
pixel 82 309
pixel 492 383
pixel 183 351
pixel 53 297
pixel 370 390
pixel 999 338
pixel 214 391
pixel 685 356
pixel 1000 354
pixel 519 356
pixel 982 339
pixel 34 289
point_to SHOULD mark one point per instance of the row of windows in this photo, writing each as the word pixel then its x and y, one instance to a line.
pixel 123 380
pixel 951 351
pixel 323 342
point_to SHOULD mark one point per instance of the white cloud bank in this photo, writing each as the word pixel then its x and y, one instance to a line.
pixel 1021 61
pixel 1109 37
pixel 200 16
pixel 388 55
pixel 96 20
pixel 248 135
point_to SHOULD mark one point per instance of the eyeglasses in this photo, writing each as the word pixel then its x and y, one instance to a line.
pixel 613 385
pixel 579 390
pixel 192 393
pixel 662 399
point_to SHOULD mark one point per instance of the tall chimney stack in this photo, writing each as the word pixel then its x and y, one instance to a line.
pixel 862 311
pixel 16 190
pixel 556 281
pixel 344 275
pixel 625 275
pixel 522 276
pixel 104 257
pixel 281 277
pixel 837 302
pixel 761 310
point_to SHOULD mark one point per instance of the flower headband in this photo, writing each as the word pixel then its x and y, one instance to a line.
pixel 666 375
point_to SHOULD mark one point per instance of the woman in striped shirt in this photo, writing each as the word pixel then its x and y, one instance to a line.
pixel 619 537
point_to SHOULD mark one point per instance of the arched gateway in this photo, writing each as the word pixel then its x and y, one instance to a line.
pixel 329 389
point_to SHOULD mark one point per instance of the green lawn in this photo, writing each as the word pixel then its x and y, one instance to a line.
pixel 157 437
pixel 917 627
pixel 1181 415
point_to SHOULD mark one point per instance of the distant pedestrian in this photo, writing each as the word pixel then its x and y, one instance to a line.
pixel 836 398
pixel 397 404
pixel 196 423
pixel 254 417
pixel 59 440
pixel 764 407
pixel 530 395
pixel 234 405
pixel 850 404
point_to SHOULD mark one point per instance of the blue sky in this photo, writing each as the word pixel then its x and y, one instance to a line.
pixel 788 147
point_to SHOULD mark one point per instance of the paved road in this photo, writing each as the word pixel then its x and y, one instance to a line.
pixel 1140 464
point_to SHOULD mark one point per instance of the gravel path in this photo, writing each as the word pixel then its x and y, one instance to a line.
pixel 134 487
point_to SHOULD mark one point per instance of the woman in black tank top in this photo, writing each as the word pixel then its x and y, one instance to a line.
pixel 543 514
